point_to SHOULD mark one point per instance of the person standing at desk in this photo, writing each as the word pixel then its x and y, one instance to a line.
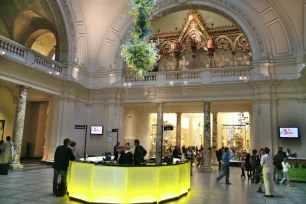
pixel 126 157
pixel 116 153
pixel 139 153
pixel 62 156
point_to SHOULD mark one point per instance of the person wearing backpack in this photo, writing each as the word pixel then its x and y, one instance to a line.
pixel 139 153
pixel 62 156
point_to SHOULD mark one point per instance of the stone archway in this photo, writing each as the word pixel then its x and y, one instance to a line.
pixel 260 48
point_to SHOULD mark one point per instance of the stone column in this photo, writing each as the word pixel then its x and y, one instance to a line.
pixel 251 130
pixel 19 125
pixel 215 139
pixel 206 167
pixel 178 129
pixel 262 125
pixel 159 133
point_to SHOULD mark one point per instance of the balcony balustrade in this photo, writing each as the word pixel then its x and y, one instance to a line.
pixel 198 76
pixel 16 52
pixel 23 55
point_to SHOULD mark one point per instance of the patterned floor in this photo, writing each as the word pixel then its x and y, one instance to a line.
pixel 34 186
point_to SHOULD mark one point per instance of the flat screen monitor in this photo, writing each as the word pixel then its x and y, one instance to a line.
pixel 289 132
pixel 96 130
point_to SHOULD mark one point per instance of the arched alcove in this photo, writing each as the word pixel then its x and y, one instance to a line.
pixel 37 33
pixel 253 35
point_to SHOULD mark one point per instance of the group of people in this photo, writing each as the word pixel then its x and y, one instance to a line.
pixel 263 168
pixel 124 156
pixel 7 151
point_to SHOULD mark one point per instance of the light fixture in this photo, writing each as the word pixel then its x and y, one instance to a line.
pixel 2 52
pixel 130 84
pixel 57 73
pixel 240 78
pixel 245 77
pixel 171 82
pixel 185 82
pixel 50 72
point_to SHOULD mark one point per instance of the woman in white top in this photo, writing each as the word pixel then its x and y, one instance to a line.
pixel 268 172
pixel 286 167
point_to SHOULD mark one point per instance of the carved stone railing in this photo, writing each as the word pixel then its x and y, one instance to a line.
pixel 198 76
pixel 16 52
pixel 230 74
pixel 183 75
pixel 53 66
pixel 134 79
pixel 12 49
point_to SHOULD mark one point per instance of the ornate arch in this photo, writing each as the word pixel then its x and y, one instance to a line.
pixel 65 28
pixel 225 8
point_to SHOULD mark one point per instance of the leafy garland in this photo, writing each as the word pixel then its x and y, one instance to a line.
pixel 138 52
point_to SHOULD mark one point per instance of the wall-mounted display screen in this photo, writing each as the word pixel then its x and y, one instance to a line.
pixel 290 133
pixel 96 130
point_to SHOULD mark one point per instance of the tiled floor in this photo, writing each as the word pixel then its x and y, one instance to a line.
pixel 35 187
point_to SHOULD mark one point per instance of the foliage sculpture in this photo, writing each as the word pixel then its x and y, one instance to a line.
pixel 138 52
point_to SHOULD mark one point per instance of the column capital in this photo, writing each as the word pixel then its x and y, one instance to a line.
pixel 23 87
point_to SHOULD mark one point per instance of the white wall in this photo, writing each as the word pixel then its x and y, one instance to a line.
pixel 291 113
pixel 7 109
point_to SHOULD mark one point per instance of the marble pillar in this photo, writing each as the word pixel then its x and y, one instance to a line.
pixel 178 129
pixel 47 131
pixel 159 133
pixel 215 139
pixel 19 125
pixel 206 167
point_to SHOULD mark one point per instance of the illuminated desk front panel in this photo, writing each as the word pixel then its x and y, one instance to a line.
pixel 117 184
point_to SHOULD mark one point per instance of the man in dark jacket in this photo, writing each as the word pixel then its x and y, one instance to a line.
pixel 116 153
pixel 139 153
pixel 62 156
pixel 277 161
pixel 126 157
pixel 219 156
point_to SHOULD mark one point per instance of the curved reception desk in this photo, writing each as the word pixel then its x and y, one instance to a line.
pixel 127 184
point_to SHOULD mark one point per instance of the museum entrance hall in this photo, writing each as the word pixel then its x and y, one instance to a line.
pixel 152 101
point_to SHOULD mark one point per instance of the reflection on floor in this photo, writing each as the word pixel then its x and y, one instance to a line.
pixel 34 187
pixel 33 164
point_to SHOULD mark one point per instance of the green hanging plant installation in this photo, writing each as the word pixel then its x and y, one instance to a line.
pixel 138 52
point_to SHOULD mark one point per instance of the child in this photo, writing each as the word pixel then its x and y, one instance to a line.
pixel 242 167
pixel 286 167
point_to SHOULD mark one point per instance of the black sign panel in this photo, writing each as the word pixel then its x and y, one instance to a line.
pixel 114 130
pixel 80 127
pixel 168 127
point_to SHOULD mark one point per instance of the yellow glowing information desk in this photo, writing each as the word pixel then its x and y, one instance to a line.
pixel 127 184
